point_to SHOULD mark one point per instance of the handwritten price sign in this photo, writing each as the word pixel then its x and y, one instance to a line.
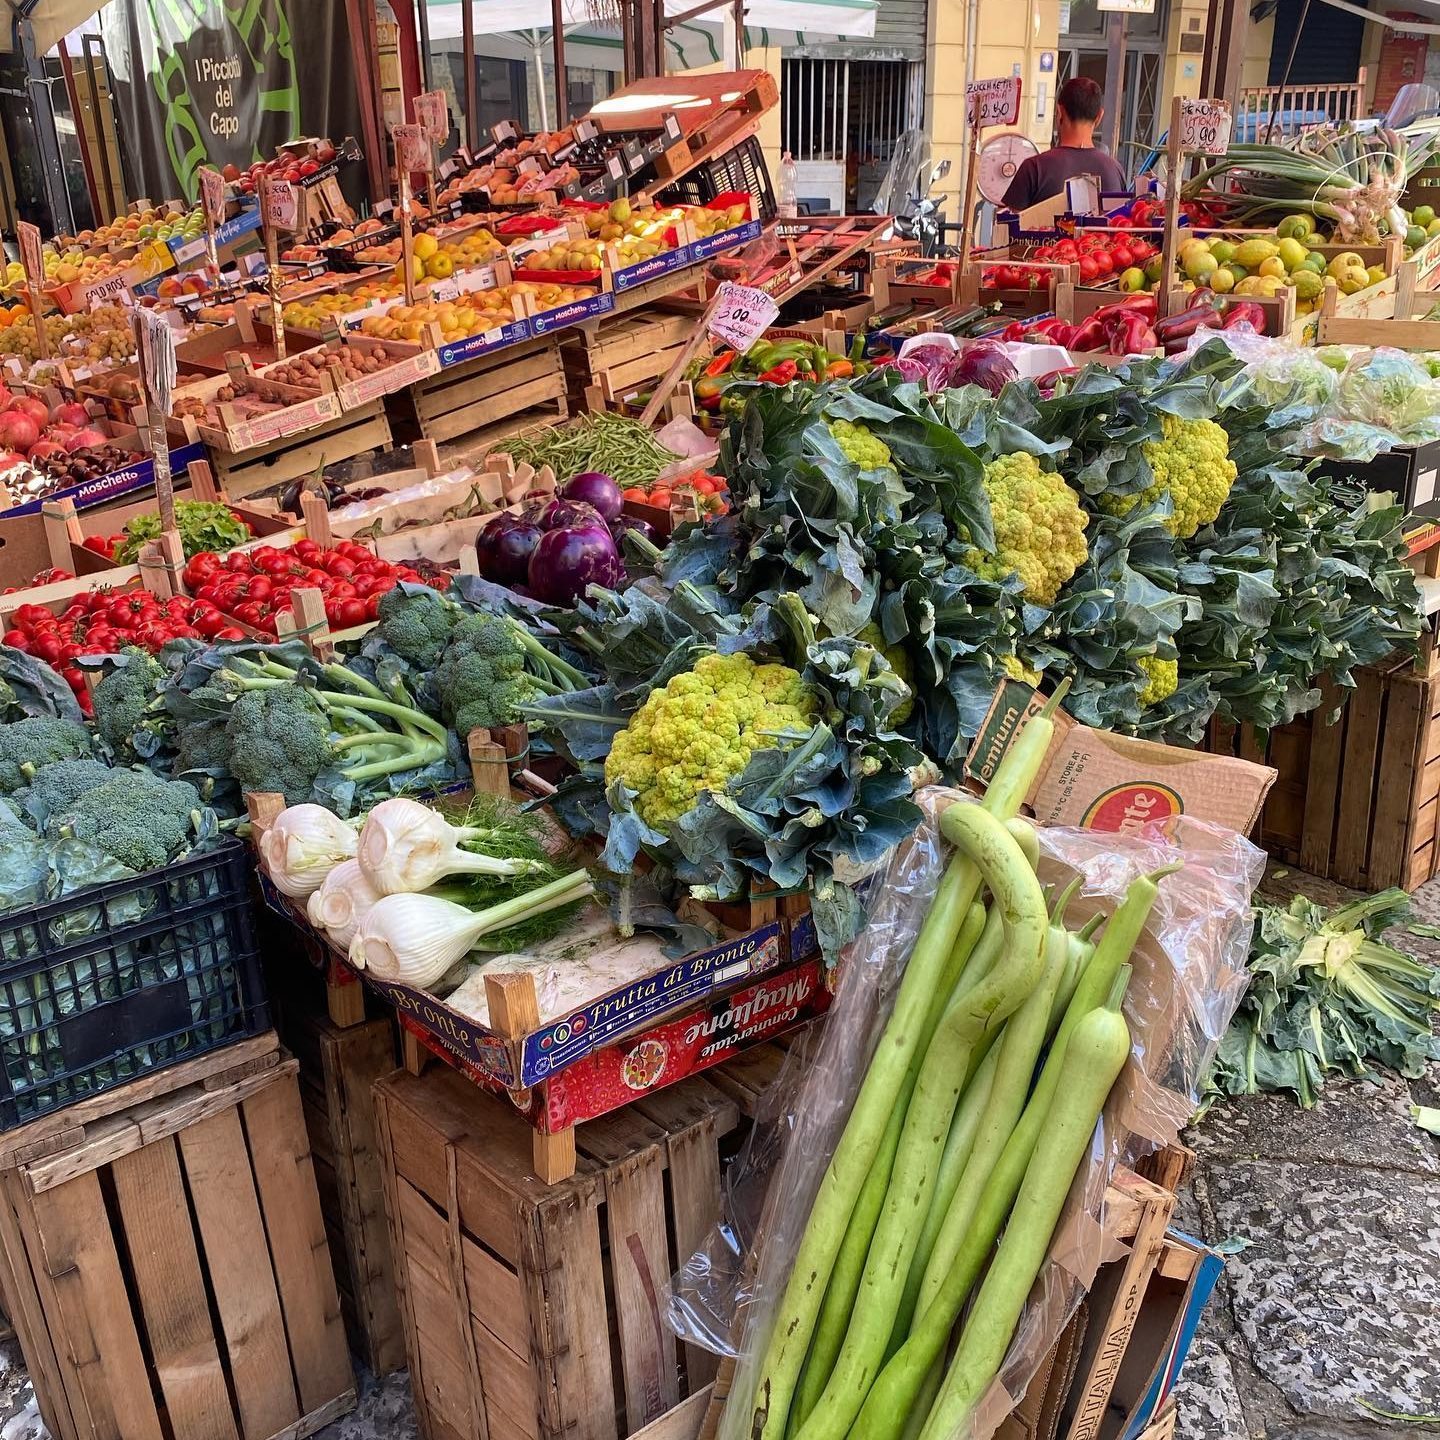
pixel 432 110
pixel 993 102
pixel 280 205
pixel 30 256
pixel 412 148
pixel 742 315
pixel 212 195
pixel 1204 127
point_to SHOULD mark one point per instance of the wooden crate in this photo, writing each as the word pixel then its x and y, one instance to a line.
pixel 338 1067
pixel 1356 800
pixel 622 353
pixel 353 433
pixel 164 1258
pixel 536 1310
pixel 512 389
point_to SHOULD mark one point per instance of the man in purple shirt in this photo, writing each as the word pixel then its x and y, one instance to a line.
pixel 1078 107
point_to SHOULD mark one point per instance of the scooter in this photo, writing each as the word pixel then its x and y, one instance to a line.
pixel 923 220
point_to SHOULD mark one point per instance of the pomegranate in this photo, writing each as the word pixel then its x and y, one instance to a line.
pixel 51 445
pixel 10 460
pixel 18 430
pixel 88 438
pixel 33 406
pixel 72 413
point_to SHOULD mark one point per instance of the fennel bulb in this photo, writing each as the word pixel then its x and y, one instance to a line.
pixel 303 846
pixel 416 938
pixel 342 902
pixel 406 847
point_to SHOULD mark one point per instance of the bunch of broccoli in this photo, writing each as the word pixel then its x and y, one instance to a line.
pixel 26 745
pixel 481 668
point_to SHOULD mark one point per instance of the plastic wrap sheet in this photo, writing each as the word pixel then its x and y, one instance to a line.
pixel 1189 977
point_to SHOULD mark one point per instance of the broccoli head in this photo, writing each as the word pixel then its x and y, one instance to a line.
pixel 134 816
pixel 28 744
pixel 121 699
pixel 481 676
pixel 279 740
pixel 57 786
pixel 415 624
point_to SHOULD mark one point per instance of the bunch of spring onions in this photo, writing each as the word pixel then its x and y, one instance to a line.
pixel 975 1115
pixel 1351 178
pixel 411 895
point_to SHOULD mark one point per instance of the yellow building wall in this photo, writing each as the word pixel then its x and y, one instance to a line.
pixel 1010 33
pixel 1259 40
pixel 1182 70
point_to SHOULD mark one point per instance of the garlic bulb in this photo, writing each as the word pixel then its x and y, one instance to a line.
pixel 406 847
pixel 342 902
pixel 303 846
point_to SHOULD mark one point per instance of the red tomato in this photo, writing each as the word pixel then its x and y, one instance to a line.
pixel 340 565
pixel 47 647
pixel 1104 265
pixel 306 551
pixel 74 677
pixel 238 562
pixel 1088 268
pixel 372 608
pixel 103 636
pixel 27 616
pixel 210 624
pixel 1121 256
pixel 230 632
pixel 200 567
pixel 16 640
pixel 437 582
pixel 1121 222
pixel 352 612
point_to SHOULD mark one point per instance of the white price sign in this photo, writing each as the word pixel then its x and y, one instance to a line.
pixel 993 102
pixel 742 315
pixel 412 148
pixel 432 110
pixel 30 252
pixel 1204 127
pixel 212 195
pixel 280 204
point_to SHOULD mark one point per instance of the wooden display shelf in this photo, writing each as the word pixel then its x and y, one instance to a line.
pixel 620 354
pixel 1356 800
pixel 1402 328
pixel 512 389
pixel 164 1258
pixel 355 432
pixel 533 1310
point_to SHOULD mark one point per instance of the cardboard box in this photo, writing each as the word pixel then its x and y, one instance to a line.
pixel 1098 780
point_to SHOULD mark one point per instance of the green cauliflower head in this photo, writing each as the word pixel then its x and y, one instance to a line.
pixel 860 444
pixel 1191 465
pixel 1039 528
pixel 1162 677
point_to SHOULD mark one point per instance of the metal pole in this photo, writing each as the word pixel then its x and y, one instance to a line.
pixel 101 139
pixel 540 83
pixel 467 49
pixel 562 84
pixel 422 20
pixel 42 108
pixel 1114 77
pixel 72 90
pixel 1285 78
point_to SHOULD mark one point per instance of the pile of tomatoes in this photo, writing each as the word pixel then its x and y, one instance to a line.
pixel 253 586
pixel 101 622
pixel 710 493
pixel 1099 255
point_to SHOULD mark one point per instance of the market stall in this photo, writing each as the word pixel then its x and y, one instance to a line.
pixel 777 735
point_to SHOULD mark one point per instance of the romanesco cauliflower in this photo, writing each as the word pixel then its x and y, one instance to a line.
pixel 1192 465
pixel 701 729
pixel 899 659
pixel 866 449
pixel 1161 677
pixel 1039 527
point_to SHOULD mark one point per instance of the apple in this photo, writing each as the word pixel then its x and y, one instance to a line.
pixel 309 167
pixel 230 173
pixel 324 152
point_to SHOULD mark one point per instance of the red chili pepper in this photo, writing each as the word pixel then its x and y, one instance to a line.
pixel 721 363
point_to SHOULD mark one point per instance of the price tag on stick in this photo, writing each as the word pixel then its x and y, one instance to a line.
pixel 993 102
pixel 413 152
pixel 33 259
pixel 1204 127
pixel 212 202
pixel 280 204
pixel 742 315
pixel 279 207
pixel 432 110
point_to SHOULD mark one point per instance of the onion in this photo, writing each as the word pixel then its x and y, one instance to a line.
pixel 597 489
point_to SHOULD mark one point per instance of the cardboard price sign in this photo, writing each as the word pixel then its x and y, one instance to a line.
pixel 30 253
pixel 280 205
pixel 412 148
pixel 1204 127
pixel 212 195
pixel 993 102
pixel 742 315
pixel 432 110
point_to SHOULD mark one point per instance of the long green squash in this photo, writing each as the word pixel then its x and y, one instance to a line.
pixel 793 1323
pixel 1017 895
pixel 834 1315
pixel 894 1394
pixel 1096 1054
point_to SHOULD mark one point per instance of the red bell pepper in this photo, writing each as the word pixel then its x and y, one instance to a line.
pixel 1242 312
pixel 1129 332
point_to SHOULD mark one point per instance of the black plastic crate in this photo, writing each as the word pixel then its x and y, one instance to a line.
pixel 740 169
pixel 125 978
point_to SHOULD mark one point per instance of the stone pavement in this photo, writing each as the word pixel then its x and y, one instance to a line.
pixel 1331 1311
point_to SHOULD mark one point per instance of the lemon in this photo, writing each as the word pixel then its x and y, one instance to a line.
pixel 1251 253
pixel 1132 279
pixel 1273 267
pixel 1376 273
pixel 1291 252
pixel 1200 263
pixel 1308 285
pixel 1222 281
pixel 1298 227
pixel 1223 250
pixel 1422 215
pixel 1346 260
